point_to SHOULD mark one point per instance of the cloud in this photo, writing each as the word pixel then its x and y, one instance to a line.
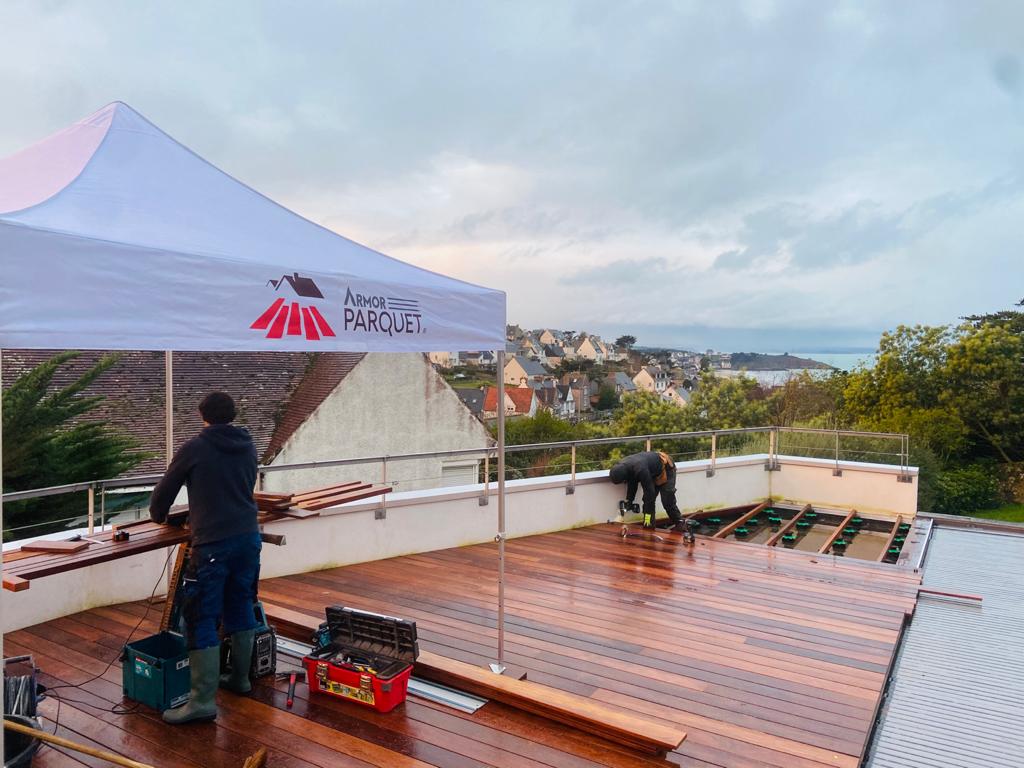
pixel 749 164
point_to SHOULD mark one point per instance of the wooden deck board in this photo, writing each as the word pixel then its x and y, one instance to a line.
pixel 765 657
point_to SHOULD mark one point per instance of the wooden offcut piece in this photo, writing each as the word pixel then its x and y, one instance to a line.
pixel 570 709
pixel 55 546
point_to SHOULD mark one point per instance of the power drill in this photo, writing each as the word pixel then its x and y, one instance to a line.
pixel 628 508
pixel 690 529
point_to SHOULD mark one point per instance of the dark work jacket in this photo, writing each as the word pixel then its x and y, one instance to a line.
pixel 640 469
pixel 219 469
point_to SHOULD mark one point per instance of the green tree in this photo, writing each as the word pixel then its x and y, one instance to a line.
pixel 984 385
pixel 49 444
pixel 725 404
pixel 805 399
pixel 607 398
pixel 904 390
pixel 625 341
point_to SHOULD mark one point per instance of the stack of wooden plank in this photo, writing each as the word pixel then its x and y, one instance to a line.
pixel 45 558
pixel 272 502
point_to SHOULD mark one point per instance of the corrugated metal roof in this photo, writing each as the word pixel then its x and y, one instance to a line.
pixel 957 695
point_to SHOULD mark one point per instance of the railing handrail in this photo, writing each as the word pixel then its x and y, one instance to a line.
pixel 482 452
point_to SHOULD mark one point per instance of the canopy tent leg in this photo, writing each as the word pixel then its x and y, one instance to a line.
pixel 169 403
pixel 499 667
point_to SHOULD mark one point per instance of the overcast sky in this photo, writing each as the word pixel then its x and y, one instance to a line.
pixel 750 175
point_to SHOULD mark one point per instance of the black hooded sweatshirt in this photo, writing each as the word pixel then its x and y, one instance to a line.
pixel 218 467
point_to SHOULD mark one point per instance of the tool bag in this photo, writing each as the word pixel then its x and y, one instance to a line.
pixel 363 657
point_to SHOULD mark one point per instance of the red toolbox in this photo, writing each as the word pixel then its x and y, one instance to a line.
pixel 363 656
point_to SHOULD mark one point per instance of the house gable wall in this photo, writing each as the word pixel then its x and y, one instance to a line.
pixel 388 404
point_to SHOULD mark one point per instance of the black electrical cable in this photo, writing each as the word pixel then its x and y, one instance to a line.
pixel 115 709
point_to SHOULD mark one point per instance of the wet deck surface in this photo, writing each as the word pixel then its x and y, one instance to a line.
pixel 767 657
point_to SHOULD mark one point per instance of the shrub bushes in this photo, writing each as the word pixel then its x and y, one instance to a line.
pixel 965 489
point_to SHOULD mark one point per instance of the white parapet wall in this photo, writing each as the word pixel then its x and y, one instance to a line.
pixel 878 490
pixel 423 521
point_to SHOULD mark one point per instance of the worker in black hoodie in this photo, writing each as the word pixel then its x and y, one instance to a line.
pixel 218 467
pixel 655 472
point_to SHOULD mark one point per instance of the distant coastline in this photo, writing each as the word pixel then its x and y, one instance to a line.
pixel 757 361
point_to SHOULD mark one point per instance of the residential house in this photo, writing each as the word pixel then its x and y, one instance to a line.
pixel 519 401
pixel 582 390
pixel 553 355
pixel 547 395
pixel 590 348
pixel 566 401
pixel 444 359
pixel 298 407
pixel 622 383
pixel 548 337
pixel 677 395
pixel 478 358
pixel 651 379
pixel 530 347
pixel 519 370
pixel 473 399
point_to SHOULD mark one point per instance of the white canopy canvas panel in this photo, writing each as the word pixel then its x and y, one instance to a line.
pixel 115 236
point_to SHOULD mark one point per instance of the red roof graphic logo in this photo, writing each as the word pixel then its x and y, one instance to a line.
pixel 292 318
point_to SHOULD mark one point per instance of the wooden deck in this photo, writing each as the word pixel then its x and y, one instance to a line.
pixel 766 657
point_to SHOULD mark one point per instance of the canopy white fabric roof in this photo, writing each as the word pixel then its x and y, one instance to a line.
pixel 115 236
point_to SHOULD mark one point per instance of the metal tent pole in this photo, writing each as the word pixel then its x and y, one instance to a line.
pixel 169 403
pixel 499 667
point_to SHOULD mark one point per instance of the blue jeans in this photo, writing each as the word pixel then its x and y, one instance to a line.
pixel 221 587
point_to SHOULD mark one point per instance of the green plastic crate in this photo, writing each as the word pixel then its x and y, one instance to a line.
pixel 155 671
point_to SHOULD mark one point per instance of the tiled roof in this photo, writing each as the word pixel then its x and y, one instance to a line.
pixel 531 367
pixel 547 396
pixel 326 371
pixel 521 397
pixel 553 350
pixel 275 392
pixel 622 380
pixel 473 398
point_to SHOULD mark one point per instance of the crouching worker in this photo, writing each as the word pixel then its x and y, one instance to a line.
pixel 655 472
pixel 218 467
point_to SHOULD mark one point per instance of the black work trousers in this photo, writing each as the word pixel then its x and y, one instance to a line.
pixel 668 496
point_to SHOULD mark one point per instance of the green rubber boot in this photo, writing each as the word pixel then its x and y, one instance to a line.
pixel 202 704
pixel 237 680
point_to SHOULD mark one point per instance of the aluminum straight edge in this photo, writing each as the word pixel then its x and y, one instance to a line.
pixel 924 550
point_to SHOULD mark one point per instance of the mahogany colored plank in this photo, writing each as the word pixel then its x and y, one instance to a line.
pixel 328 490
pixel 892 536
pixel 63 547
pixel 777 537
pixel 726 530
pixel 14 583
pixel 837 533
pixel 344 498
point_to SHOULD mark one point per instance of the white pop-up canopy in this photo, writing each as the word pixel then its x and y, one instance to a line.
pixel 115 236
